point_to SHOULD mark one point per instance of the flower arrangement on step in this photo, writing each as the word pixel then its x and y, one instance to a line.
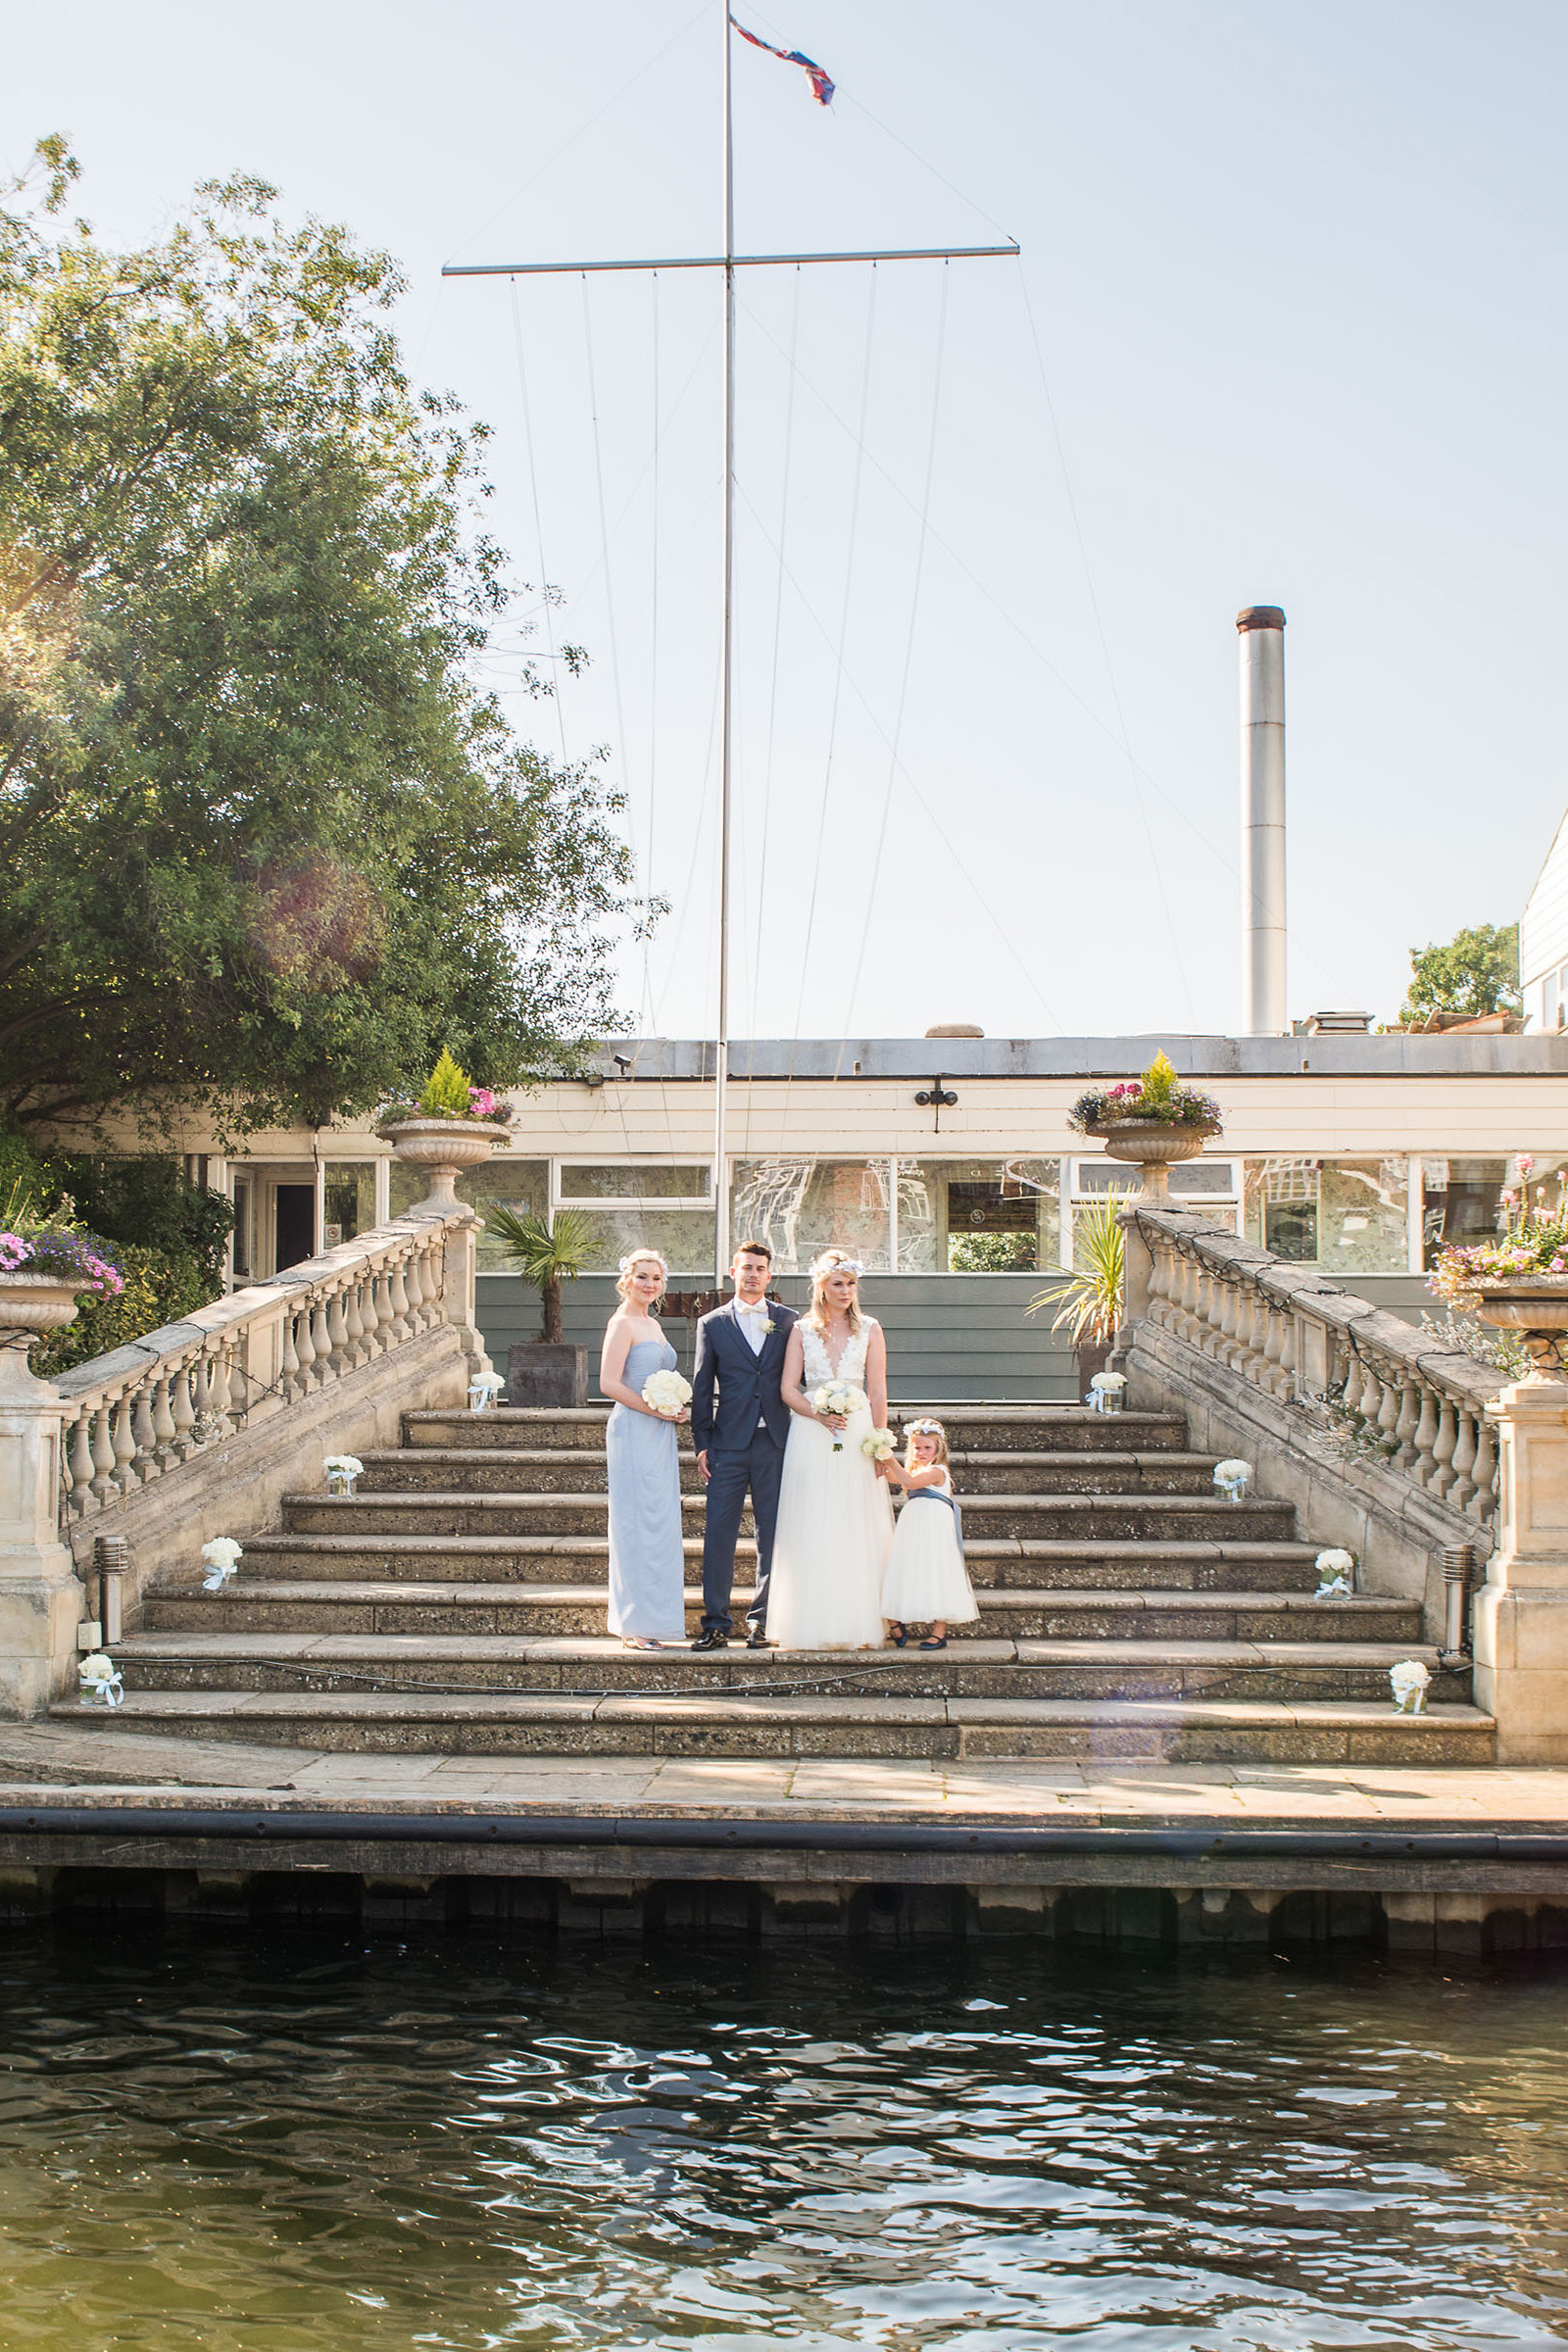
pixel 1158 1096
pixel 449 1093
pixel 666 1393
pixel 1408 1681
pixel 879 1446
pixel 1336 1574
pixel 223 1556
pixel 342 1469
pixel 840 1396
pixel 1104 1391
pixel 100 1681
pixel 56 1254
pixel 483 1389
pixel 1233 1477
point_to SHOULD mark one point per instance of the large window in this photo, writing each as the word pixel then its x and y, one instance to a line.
pixel 978 1216
pixel 1348 1216
pixel 1208 1184
pixel 349 1199
pixel 642 1205
pixel 800 1205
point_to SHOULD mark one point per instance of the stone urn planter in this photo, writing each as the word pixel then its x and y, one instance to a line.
pixel 31 1305
pixel 1151 1145
pixel 1536 1307
pixel 444 1148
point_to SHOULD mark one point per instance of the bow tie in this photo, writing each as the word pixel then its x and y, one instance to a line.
pixel 760 1309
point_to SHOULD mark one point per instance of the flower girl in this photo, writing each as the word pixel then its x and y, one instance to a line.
pixel 925 1578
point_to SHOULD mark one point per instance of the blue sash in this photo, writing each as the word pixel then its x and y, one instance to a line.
pixel 935 1494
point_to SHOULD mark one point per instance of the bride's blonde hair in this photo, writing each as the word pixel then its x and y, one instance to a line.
pixel 629 1265
pixel 824 1268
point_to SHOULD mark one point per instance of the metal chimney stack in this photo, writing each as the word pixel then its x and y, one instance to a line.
pixel 1263 633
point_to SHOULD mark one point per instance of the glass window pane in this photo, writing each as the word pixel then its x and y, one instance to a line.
pixel 1460 1203
pixel 684 1238
pixel 1362 1224
pixel 629 1180
pixel 802 1205
pixel 1202 1176
pixel 406 1186
pixel 522 1184
pixel 350 1200
pixel 977 1216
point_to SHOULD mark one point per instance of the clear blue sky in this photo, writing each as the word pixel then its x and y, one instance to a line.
pixel 1296 273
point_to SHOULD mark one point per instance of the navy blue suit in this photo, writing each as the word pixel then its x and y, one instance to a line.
pixel 742 1432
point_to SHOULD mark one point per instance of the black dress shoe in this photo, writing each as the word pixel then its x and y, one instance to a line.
pixel 710 1638
pixel 757 1640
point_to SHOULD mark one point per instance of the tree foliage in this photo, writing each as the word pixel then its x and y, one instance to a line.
pixel 1477 972
pixel 265 843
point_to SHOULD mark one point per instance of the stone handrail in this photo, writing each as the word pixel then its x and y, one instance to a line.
pixel 142 1412
pixel 1374 1382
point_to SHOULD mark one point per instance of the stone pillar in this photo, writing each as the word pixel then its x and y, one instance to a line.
pixel 463 1310
pixel 41 1599
pixel 1521 1611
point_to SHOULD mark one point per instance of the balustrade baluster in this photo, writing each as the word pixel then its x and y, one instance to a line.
pixel 337 1331
pixel 1407 1424
pixel 1354 1384
pixel 353 1323
pixel 382 1294
pixel 321 1341
pixel 142 1431
pixel 103 1457
pixel 123 1438
pixel 1288 1338
pixel 414 1284
pixel 183 1409
pixel 288 1357
pixel 1459 1492
pixel 400 1304
pixel 219 1394
pixel 1370 1402
pixel 304 1350
pixel 163 1430
pixel 1426 1437
pixel 1484 1502
pixel 1447 1439
pixel 81 1461
pixel 1389 1415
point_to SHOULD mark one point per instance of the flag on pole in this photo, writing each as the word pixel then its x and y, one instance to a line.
pixel 821 84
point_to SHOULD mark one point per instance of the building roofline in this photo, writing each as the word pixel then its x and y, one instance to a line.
pixel 1453 1055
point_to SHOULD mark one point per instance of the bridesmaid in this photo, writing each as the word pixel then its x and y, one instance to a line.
pixel 647 1563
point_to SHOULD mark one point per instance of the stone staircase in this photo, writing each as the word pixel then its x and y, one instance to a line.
pixel 456 1605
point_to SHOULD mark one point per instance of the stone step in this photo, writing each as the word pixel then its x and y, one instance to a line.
pixel 1286 1672
pixel 1097 1565
pixel 258 1604
pixel 530 1470
pixel 1133 1517
pixel 995 1428
pixel 732 1725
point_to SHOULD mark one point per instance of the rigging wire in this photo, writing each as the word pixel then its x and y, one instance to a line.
pixel 909 658
pixel 838 678
pixel 1105 648
pixel 538 525
pixel 778 613
pixel 604 528
pixel 1029 977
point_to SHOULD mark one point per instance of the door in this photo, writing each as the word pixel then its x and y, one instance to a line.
pixel 296 1224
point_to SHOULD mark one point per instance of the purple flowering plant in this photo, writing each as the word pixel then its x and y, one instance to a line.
pixel 1157 1095
pixel 1537 1244
pixel 79 1258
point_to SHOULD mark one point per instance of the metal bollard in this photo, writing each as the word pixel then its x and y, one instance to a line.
pixel 1458 1567
pixel 111 1558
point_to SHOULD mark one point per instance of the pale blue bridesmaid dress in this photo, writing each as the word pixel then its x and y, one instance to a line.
pixel 647 1565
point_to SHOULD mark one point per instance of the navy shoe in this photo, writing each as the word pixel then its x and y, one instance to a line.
pixel 901 1633
pixel 711 1638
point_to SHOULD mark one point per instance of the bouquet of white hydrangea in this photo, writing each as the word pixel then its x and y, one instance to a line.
pixel 1231 1476
pixel 223 1556
pixel 342 1469
pixel 838 1397
pixel 1335 1571
pixel 99 1677
pixel 666 1393
pixel 1410 1680
pixel 879 1446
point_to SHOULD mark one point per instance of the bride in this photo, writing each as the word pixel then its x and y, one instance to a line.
pixel 835 1515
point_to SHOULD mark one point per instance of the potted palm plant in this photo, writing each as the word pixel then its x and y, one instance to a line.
pixel 1089 1300
pixel 548 1370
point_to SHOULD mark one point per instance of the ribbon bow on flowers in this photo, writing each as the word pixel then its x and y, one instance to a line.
pixel 100 1678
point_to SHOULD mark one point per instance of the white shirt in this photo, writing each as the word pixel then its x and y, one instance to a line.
pixel 753 1321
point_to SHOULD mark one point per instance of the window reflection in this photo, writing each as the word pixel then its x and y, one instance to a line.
pixel 1346 1216
pixel 978 1216
pixel 800 1205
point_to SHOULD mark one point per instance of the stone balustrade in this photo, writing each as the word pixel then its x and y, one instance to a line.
pixel 143 1411
pixel 1380 1391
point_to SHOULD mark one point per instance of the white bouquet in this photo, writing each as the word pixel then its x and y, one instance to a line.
pixel 1231 1476
pixel 666 1393
pixel 483 1389
pixel 1410 1680
pixel 1335 1571
pixel 223 1556
pixel 1104 1391
pixel 838 1397
pixel 342 1469
pixel 99 1677
pixel 879 1446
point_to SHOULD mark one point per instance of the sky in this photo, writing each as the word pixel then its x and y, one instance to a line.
pixel 1287 327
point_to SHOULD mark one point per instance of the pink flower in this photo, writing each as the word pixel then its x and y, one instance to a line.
pixel 481 1103
pixel 1525 1163
pixel 1557 1266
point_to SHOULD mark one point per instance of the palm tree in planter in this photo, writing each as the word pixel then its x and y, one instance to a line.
pixel 1089 1300
pixel 548 1371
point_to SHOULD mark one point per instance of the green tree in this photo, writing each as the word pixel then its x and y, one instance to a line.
pixel 1477 972
pixel 266 844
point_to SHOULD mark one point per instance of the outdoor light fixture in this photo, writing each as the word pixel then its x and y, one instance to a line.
pixel 936 1096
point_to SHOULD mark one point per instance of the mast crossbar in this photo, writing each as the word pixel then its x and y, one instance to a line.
pixel 739 260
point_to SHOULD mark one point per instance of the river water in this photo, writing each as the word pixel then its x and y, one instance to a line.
pixel 308 2145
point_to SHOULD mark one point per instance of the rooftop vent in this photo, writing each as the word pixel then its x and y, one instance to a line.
pixel 956 1029
pixel 1333 1024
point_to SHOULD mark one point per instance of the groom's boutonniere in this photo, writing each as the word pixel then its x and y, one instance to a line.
pixel 769 1323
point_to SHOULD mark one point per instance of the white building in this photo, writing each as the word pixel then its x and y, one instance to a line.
pixel 1543 941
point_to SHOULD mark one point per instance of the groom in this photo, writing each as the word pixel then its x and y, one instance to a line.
pixel 740 1440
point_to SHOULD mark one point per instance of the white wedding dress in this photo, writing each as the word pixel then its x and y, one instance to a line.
pixel 835 1521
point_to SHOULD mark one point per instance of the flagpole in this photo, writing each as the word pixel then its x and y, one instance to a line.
pixel 726 687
